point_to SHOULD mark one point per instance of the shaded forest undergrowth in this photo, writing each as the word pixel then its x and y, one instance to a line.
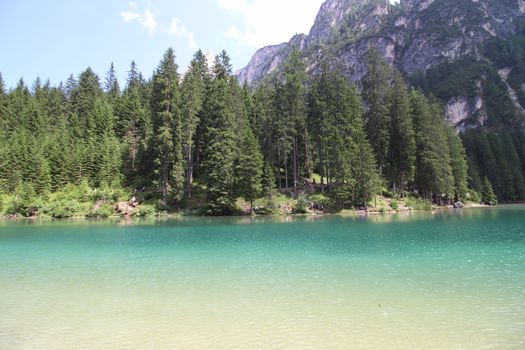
pixel 83 201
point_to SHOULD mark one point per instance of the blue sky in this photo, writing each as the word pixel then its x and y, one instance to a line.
pixel 54 38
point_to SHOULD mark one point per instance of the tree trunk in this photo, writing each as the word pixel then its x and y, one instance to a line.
pixel 189 179
pixel 394 187
pixel 322 172
pixel 286 173
pixel 164 186
pixel 279 170
pixel 295 167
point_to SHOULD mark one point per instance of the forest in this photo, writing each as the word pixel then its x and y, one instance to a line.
pixel 200 142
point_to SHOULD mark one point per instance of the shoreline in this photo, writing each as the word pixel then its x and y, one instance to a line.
pixel 342 213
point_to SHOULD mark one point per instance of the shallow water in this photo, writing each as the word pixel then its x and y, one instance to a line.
pixel 448 280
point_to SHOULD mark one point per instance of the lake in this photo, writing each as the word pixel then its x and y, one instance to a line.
pixel 443 280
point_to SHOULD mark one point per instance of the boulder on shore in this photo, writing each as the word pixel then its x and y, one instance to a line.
pixel 459 205
pixel 126 208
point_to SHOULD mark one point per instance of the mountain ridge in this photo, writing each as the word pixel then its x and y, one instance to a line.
pixel 414 36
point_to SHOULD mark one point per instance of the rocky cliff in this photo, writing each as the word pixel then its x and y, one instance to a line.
pixel 417 37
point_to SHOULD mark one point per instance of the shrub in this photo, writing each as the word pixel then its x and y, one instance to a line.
pixel 395 204
pixel 62 209
pixel 103 211
pixel 417 203
pixel 321 199
pixel 79 192
pixel 24 201
pixel 145 210
pixel 473 196
pixel 301 206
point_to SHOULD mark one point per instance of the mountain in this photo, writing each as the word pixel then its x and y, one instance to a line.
pixel 468 53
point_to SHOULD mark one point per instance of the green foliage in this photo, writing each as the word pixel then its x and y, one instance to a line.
pixel 107 193
pixel 434 177
pixel 200 142
pixel 167 126
pixel 301 206
pixel 500 158
pixel 376 92
pixel 402 156
pixel 343 154
pixel 473 196
pixel 81 192
pixel 343 196
pixel 395 204
pixel 458 164
pixel 487 193
pixel 62 208
pixel 219 130
pixel 23 202
pixel 506 52
pixel 481 77
pixel 145 210
pixel 102 210
pixel 249 168
pixel 417 203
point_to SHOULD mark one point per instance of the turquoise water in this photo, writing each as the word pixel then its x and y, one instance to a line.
pixel 444 280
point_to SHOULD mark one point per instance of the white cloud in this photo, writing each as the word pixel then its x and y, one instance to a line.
pixel 270 21
pixel 177 28
pixel 146 19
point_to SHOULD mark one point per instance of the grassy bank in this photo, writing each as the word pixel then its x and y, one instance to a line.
pixel 83 201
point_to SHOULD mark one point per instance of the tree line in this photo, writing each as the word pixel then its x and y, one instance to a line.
pixel 202 132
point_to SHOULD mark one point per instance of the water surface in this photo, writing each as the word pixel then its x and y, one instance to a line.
pixel 447 280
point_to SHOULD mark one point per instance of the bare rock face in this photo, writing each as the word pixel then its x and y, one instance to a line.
pixel 413 36
pixel 336 19
pixel 267 60
pixel 330 17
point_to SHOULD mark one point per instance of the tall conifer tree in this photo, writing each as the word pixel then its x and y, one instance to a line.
pixel 168 128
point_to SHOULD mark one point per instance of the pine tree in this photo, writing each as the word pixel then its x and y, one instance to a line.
pixel 3 107
pixel 376 90
pixel 84 97
pixel 42 179
pixel 111 161
pixel 487 193
pixel 219 153
pixel 134 76
pixel 269 185
pixel 321 121
pixel 368 182
pixel 459 165
pixel 433 177
pixel 249 169
pixel 60 170
pixel 167 125
pixel 402 144
pixel 70 87
pixel 111 85
pixel 293 109
pixel 134 128
pixel 2 86
pixel 192 92
pixel 101 120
